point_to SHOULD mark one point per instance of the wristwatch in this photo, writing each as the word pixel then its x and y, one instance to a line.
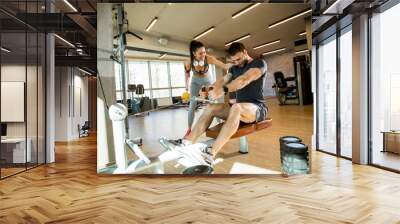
pixel 226 90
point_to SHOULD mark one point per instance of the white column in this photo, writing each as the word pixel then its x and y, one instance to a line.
pixel 105 144
pixel 360 90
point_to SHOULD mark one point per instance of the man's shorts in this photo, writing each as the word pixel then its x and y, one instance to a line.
pixel 261 113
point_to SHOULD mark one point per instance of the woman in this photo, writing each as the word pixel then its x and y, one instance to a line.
pixel 199 65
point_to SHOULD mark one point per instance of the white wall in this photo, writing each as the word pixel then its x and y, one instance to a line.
pixel 69 81
pixel 278 62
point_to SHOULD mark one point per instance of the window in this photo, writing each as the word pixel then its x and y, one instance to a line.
pixel 346 92
pixel 159 75
pixel 163 79
pixel 177 72
pixel 139 73
pixel 327 95
pixel 385 88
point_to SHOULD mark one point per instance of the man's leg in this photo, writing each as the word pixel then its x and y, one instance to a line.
pixel 245 112
pixel 219 110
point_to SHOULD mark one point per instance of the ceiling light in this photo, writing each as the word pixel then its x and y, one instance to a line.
pixel 203 33
pixel 5 50
pixel 84 71
pixel 70 5
pixel 302 51
pixel 64 40
pixel 163 55
pixel 243 11
pixel 266 44
pixel 302 33
pixel 289 18
pixel 331 6
pixel 239 39
pixel 274 51
pixel 151 24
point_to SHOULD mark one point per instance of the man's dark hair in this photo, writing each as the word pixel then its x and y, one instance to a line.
pixel 235 47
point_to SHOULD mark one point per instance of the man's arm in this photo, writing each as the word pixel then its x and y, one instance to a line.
pixel 223 81
pixel 243 80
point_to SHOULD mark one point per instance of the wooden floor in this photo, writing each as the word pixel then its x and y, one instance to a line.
pixel 264 156
pixel 70 191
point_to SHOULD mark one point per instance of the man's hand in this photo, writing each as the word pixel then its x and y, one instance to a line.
pixel 215 93
pixel 204 92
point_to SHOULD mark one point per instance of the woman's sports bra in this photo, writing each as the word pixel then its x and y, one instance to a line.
pixel 196 72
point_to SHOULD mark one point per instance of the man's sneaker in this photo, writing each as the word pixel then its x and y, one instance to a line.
pixel 207 155
pixel 171 144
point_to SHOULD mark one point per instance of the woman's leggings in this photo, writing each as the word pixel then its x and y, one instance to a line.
pixel 195 86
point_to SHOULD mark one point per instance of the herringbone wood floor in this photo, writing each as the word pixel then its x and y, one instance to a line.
pixel 70 191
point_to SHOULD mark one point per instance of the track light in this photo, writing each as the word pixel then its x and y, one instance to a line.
pixel 243 11
pixel 274 51
pixel 84 71
pixel 331 7
pixel 163 55
pixel 64 40
pixel 151 24
pixel 266 44
pixel 302 33
pixel 238 39
pixel 289 18
pixel 302 51
pixel 70 5
pixel 203 33
pixel 5 50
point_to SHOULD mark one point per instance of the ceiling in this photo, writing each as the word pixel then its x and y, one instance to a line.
pixel 182 22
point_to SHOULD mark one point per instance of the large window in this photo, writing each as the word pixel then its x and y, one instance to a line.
pixel 385 88
pixel 345 58
pixel 327 95
pixel 160 78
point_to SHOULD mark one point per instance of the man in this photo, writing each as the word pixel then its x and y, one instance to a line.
pixel 246 78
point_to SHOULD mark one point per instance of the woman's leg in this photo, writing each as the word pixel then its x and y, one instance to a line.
pixel 195 87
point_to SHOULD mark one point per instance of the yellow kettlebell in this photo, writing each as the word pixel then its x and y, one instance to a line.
pixel 185 97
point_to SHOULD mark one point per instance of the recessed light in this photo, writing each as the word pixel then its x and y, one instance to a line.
pixel 238 39
pixel 274 51
pixel 289 18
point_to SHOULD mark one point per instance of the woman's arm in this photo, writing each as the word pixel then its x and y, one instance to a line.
pixel 187 74
pixel 213 60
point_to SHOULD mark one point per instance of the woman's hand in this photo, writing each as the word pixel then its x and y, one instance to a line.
pixel 211 59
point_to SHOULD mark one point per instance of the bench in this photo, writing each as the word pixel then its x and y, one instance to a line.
pixel 243 130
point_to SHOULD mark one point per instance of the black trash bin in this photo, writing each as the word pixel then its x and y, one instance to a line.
pixel 294 158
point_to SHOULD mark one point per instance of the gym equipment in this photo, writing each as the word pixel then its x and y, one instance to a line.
pixel 185 97
pixel 303 75
pixel 200 169
pixel 283 91
pixel 288 139
pixel 294 158
pixel 84 130
pixel 243 130
pixel 118 113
